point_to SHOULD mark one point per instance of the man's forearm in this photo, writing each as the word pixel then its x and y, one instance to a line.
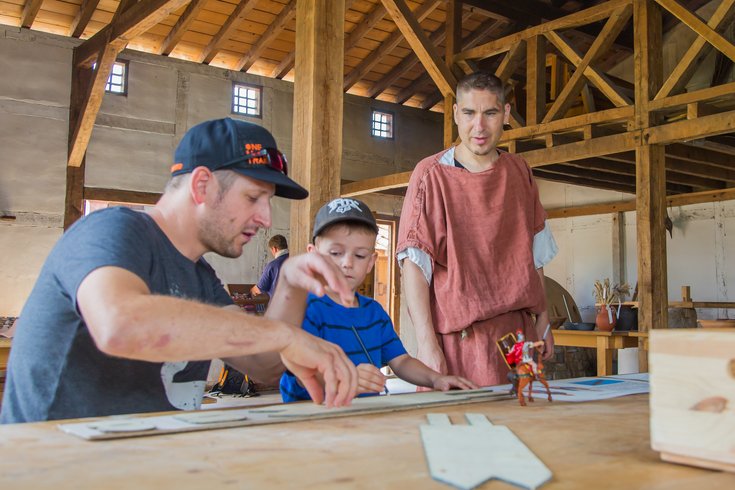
pixel 416 290
pixel 125 320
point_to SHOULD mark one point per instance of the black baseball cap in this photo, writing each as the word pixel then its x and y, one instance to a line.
pixel 343 209
pixel 230 144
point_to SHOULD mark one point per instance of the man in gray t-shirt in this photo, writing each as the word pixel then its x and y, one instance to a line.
pixel 125 314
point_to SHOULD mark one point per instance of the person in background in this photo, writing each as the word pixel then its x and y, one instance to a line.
pixel 472 243
pixel 126 314
pixel 278 247
pixel 344 233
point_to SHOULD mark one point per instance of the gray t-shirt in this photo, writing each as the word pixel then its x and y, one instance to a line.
pixel 56 371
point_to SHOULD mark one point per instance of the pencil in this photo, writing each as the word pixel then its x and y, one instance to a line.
pixel 367 354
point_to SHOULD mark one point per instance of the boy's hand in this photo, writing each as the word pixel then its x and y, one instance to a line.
pixel 371 380
pixel 323 368
pixel 445 383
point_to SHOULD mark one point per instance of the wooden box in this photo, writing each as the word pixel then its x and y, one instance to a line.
pixel 692 374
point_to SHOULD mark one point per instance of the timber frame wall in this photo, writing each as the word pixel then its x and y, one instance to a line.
pixel 638 123
pixel 642 122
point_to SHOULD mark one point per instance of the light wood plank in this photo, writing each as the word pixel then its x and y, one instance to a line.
pixel 287 64
pixel 182 25
pixel 273 31
pixel 83 17
pixel 228 28
pixel 30 11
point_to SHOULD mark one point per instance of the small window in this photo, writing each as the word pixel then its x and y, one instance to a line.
pixel 246 100
pixel 118 81
pixel 382 124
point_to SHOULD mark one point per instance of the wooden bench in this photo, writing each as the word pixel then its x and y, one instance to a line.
pixel 605 343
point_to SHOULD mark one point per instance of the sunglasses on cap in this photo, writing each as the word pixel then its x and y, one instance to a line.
pixel 270 157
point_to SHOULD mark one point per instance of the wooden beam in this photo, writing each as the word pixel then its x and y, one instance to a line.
pixel 81 128
pixel 725 91
pixel 135 21
pixel 614 25
pixel 629 205
pixel 30 11
pixel 608 115
pixel 121 195
pixel 596 147
pixel 181 26
pixel 287 63
pixel 583 17
pixel 122 7
pixel 228 28
pixel 387 46
pixel 377 184
pixel 591 209
pixel 103 48
pixel 698 154
pixel 535 79
pixel 86 9
pixel 318 111
pixel 650 175
pixel 699 49
pixel 567 179
pixel 699 174
pixel 695 23
pixel 272 32
pixel 414 34
pixel 409 62
pixel 598 79
pixel 471 40
pixel 511 61
pixel 453 29
pixel 691 129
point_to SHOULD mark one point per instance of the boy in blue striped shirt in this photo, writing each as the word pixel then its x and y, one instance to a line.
pixel 345 231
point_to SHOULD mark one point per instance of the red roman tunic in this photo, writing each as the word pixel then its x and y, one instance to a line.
pixel 478 229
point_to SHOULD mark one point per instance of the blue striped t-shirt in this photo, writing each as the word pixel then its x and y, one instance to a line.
pixel 333 322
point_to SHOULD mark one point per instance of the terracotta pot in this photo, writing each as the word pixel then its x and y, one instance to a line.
pixel 602 320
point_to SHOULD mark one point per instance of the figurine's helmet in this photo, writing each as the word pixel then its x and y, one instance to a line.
pixel 520 336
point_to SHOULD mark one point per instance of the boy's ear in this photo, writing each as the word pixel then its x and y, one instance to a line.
pixel 310 247
pixel 373 258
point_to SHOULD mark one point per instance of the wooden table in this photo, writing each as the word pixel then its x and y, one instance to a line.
pixel 586 445
pixel 605 343
pixel 4 352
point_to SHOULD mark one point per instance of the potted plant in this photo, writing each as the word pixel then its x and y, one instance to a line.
pixel 606 296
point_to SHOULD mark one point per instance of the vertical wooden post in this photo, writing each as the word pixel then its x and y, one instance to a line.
pixel 536 80
pixel 650 175
pixel 618 247
pixel 453 41
pixel 318 106
pixel 81 77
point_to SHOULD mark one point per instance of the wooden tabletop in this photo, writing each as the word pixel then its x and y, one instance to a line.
pixel 586 445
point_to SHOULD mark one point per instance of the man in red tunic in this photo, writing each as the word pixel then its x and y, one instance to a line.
pixel 472 243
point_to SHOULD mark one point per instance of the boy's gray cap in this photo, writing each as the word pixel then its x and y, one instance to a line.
pixel 343 209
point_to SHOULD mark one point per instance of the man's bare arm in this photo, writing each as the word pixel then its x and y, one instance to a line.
pixel 417 300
